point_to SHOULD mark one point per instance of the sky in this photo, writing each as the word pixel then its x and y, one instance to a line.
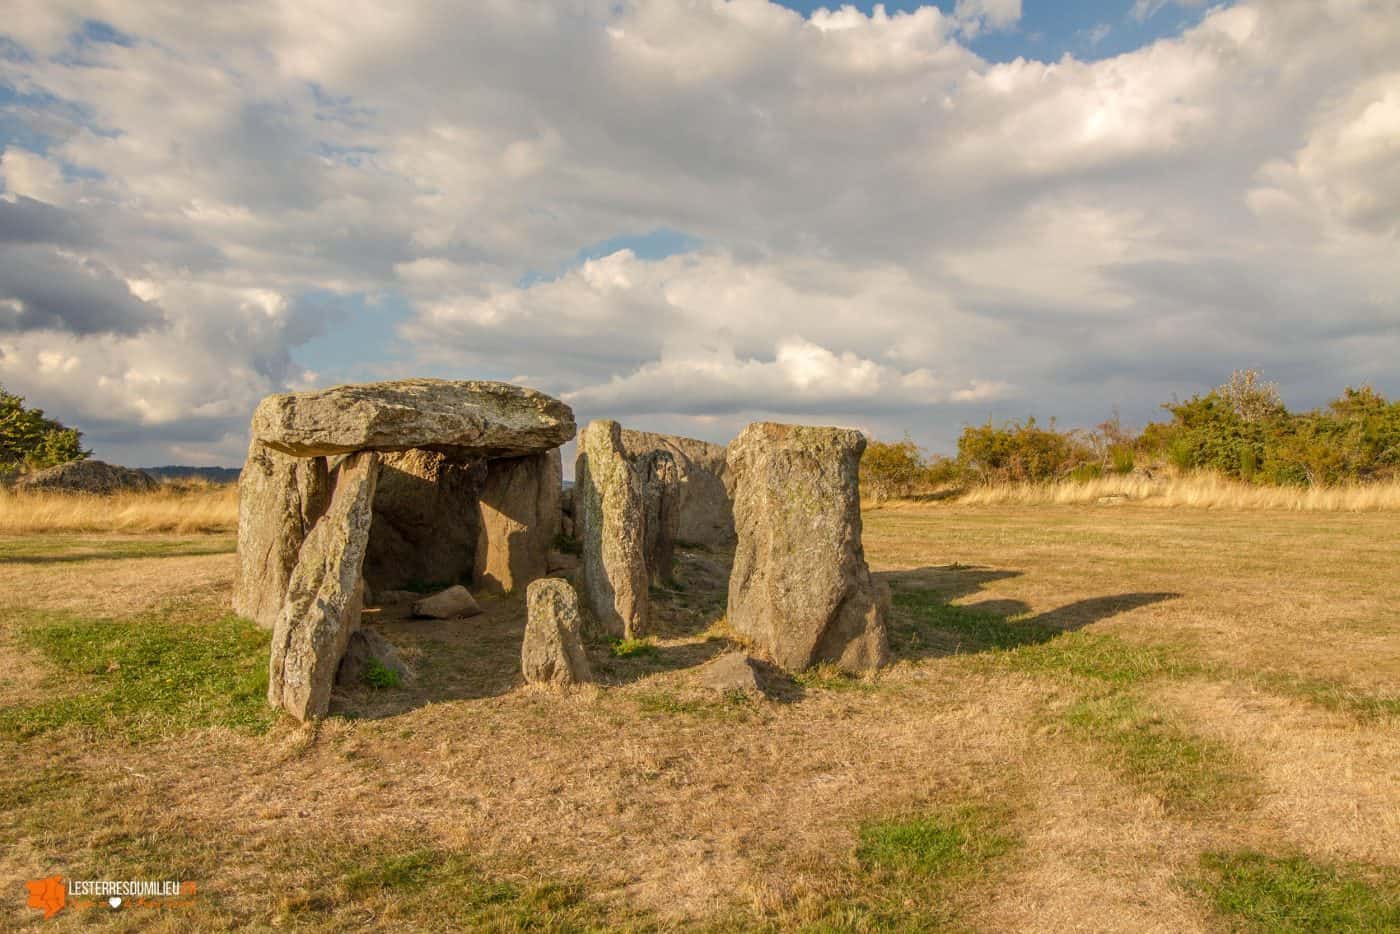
pixel 692 215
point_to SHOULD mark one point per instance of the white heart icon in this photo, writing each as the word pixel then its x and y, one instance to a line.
pixel 114 901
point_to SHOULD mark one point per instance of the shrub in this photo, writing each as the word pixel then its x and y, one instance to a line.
pixel 888 470
pixel 1022 452
pixel 29 441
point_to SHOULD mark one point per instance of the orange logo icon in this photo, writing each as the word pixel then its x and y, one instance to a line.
pixel 47 895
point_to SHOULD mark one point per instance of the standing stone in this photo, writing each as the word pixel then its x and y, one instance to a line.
pixel 661 501
pixel 323 595
pixel 706 502
pixel 800 587
pixel 466 418
pixel 279 499
pixel 518 520
pixel 425 520
pixel 552 652
pixel 609 518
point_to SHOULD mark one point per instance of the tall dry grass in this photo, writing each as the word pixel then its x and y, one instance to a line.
pixel 179 508
pixel 1202 491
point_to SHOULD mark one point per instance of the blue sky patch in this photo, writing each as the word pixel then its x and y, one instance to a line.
pixel 1048 29
pixel 651 246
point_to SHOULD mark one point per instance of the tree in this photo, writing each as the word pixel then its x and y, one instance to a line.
pixel 30 441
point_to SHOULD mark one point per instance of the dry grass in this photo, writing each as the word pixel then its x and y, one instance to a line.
pixel 1201 491
pixel 469 801
pixel 179 509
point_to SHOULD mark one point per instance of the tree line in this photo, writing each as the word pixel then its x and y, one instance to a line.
pixel 1240 430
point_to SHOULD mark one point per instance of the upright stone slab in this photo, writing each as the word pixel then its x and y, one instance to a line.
pixel 661 509
pixel 609 517
pixel 279 499
pixel 425 520
pixel 706 510
pixel 323 596
pixel 800 587
pixel 552 652
pixel 462 418
pixel 518 519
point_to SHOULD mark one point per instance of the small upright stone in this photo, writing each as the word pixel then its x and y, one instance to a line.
pixel 323 595
pixel 800 587
pixel 611 527
pixel 366 650
pixel 552 652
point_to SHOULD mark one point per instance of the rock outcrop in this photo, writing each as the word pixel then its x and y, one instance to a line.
pixel 609 517
pixel 461 418
pixel 279 500
pixel 425 520
pixel 706 511
pixel 322 607
pixel 518 519
pixel 800 587
pixel 552 652
pixel 87 476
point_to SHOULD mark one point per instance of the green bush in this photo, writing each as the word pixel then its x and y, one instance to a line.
pixel 1023 452
pixel 29 441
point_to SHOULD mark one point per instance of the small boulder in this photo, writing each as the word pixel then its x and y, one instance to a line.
pixel 732 671
pixel 453 603
pixel 552 651
pixel 366 646
pixel 561 561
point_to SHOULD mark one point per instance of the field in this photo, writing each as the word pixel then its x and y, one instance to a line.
pixel 1106 717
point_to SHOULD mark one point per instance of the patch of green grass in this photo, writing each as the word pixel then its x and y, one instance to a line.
pixel 926 620
pixel 1331 695
pixel 911 871
pixel 633 648
pixel 1101 657
pixel 729 704
pixel 568 544
pixel 1293 893
pixel 47 549
pixel 448 890
pixel 940 844
pixel 161 673
pixel 1189 774
pixel 828 677
pixel 381 677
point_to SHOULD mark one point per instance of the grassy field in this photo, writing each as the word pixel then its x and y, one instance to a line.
pixel 1102 717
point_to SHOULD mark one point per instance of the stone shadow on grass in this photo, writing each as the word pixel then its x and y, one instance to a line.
pixel 926 623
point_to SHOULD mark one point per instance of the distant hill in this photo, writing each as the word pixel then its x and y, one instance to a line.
pixel 212 474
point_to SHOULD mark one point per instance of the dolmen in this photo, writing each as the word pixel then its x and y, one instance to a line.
pixel 387 485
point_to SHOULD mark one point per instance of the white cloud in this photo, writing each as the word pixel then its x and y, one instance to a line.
pixel 890 225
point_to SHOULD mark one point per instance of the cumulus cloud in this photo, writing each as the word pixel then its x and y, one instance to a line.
pixel 892 230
